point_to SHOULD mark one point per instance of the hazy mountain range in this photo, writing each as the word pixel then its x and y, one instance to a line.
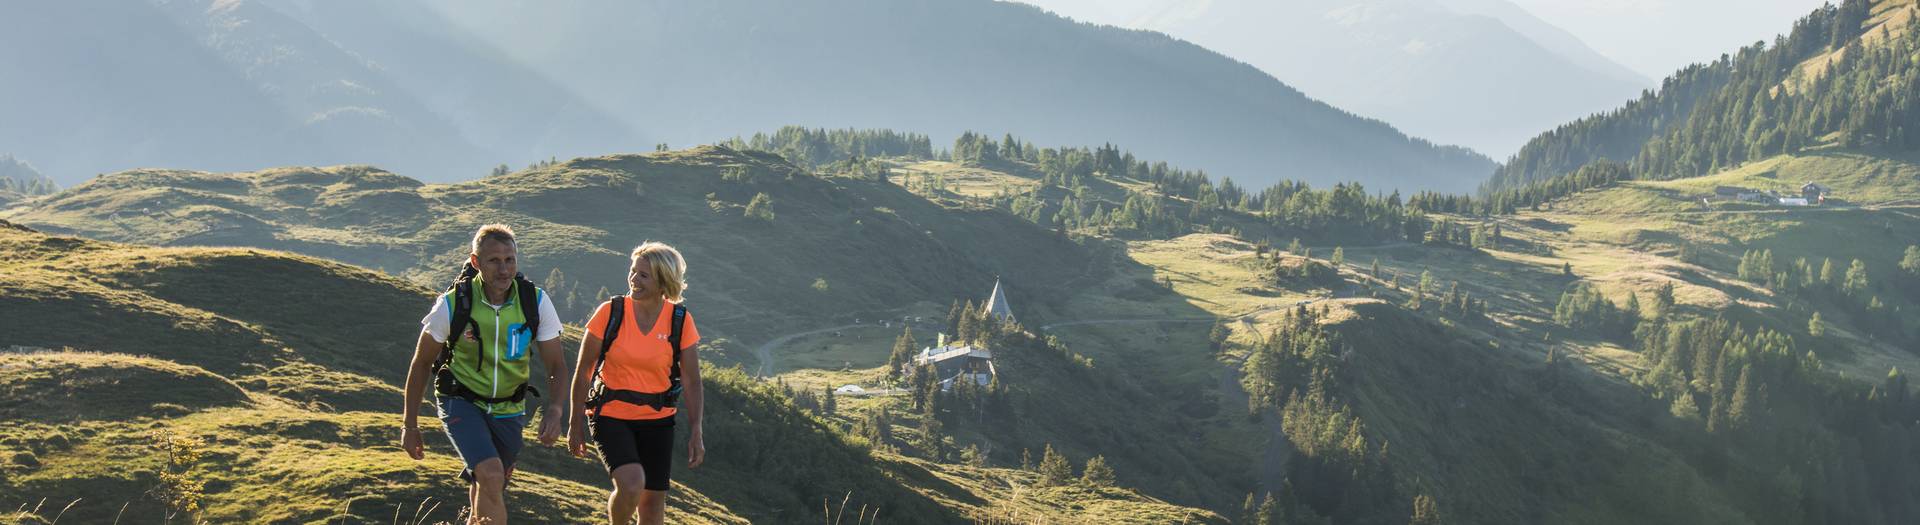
pixel 242 85
pixel 446 90
pixel 1481 73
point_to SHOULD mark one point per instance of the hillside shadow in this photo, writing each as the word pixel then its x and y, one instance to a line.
pixel 295 302
pixel 1460 414
pixel 100 321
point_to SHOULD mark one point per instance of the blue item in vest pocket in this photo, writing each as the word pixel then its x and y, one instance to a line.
pixel 519 338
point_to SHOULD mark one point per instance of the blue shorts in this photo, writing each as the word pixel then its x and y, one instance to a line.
pixel 478 437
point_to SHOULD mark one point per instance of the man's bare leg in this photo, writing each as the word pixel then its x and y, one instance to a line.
pixel 489 493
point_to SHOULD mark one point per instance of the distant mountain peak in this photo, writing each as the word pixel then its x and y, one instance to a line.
pixel 1481 73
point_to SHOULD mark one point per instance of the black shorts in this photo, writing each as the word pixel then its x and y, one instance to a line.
pixel 647 442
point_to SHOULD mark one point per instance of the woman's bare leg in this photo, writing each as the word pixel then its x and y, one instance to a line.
pixel 628 483
pixel 653 507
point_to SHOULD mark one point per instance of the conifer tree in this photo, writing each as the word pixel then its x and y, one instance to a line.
pixel 1426 511
pixel 760 208
pixel 972 456
pixel 953 318
pixel 1663 300
pixel 1683 406
pixel 968 325
pixel 1054 469
pixel 1269 512
pixel 1097 473
pixel 1740 415
pixel 1857 278
pixel 903 352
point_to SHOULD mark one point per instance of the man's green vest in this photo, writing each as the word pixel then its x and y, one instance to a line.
pixel 494 356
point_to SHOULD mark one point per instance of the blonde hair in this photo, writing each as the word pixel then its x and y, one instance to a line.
pixel 669 268
pixel 492 232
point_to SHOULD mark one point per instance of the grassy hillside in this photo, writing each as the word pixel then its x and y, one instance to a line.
pixel 234 388
pixel 1631 239
pixel 1105 192
pixel 1818 104
pixel 1843 261
pixel 1476 389
pixel 1636 236
pixel 1856 178
pixel 569 213
pixel 1379 407
pixel 1474 418
pixel 1885 21
pixel 1499 438
pixel 236 358
pixel 582 216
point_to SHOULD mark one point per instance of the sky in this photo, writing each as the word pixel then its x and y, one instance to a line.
pixel 1652 37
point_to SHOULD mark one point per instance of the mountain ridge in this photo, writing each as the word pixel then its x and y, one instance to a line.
pixel 303 83
pixel 1766 99
pixel 1456 72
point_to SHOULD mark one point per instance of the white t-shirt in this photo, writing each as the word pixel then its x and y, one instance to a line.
pixel 438 321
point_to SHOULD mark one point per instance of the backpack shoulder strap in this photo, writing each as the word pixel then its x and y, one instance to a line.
pixel 462 289
pixel 529 304
pixel 462 315
pixel 673 338
pixel 616 312
pixel 462 320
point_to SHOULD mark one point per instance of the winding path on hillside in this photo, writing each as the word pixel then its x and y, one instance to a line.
pixel 765 352
pixel 1128 321
pixel 1896 207
pixel 1250 315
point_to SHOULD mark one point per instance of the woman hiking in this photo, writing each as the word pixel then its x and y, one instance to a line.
pixel 637 369
pixel 474 349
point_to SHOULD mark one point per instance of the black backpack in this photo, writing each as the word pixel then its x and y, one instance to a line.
pixel 444 381
pixel 600 394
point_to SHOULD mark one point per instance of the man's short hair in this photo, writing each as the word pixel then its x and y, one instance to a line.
pixel 492 232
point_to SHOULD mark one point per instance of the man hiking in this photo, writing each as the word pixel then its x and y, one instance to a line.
pixel 474 349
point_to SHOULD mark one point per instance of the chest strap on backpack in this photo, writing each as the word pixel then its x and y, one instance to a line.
pixel 601 394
